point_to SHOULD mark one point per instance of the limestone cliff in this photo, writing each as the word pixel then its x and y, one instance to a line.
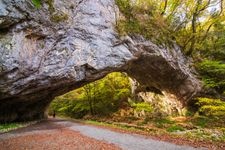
pixel 65 44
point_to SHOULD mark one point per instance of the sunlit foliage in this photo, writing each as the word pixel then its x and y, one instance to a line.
pixel 98 98
pixel 211 107
pixel 197 26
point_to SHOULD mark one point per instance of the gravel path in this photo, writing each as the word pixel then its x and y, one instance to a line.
pixel 66 135
pixel 47 135
pixel 123 140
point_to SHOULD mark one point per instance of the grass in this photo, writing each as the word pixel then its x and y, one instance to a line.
pixel 9 126
pixel 163 122
pixel 201 122
pixel 6 127
pixel 123 126
pixel 206 135
pixel 175 128
pixel 108 124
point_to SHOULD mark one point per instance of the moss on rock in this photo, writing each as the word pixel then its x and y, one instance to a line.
pixel 59 17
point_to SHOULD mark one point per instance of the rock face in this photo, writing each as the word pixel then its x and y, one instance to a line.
pixel 164 103
pixel 65 44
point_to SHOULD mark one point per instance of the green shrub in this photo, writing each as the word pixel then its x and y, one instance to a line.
pixel 143 107
pixel 9 126
pixel 175 128
pixel 211 107
pixel 163 122
pixel 201 121
pixel 208 101
pixel 213 110
pixel 213 74
pixel 189 113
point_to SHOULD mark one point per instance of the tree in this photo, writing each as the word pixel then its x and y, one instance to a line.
pixel 197 26
pixel 101 97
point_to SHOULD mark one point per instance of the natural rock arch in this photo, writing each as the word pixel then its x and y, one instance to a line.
pixel 48 52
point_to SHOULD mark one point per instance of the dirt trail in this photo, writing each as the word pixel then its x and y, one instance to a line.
pixel 58 134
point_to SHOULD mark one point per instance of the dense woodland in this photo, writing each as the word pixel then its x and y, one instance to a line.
pixel 198 27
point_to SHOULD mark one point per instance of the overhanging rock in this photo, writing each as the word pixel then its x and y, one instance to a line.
pixel 65 44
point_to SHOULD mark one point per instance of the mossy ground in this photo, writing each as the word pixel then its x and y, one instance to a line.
pixel 9 126
pixel 6 127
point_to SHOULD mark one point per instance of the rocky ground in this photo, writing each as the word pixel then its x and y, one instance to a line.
pixel 56 134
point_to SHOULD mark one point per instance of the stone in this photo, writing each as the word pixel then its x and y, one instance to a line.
pixel 42 58
pixel 164 103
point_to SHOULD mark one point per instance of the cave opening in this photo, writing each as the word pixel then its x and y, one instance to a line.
pixel 116 96
pixel 102 97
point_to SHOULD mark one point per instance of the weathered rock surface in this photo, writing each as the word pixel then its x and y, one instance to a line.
pixel 65 44
pixel 164 103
